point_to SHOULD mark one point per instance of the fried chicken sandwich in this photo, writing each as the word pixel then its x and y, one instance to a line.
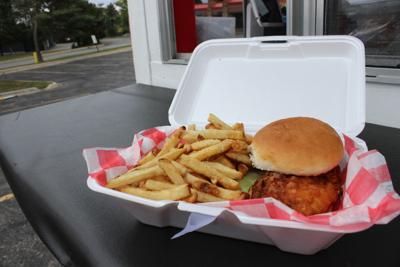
pixel 300 157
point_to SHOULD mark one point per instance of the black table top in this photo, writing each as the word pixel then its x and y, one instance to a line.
pixel 40 153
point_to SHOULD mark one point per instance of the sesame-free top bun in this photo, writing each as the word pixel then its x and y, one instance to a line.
pixel 300 146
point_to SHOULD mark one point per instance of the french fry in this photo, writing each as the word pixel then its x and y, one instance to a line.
pixel 217 191
pixel 187 148
pixel 217 134
pixel 141 184
pixel 204 169
pixel 220 124
pixel 162 178
pixel 193 165
pixel 135 176
pixel 192 127
pixel 171 142
pixel 172 172
pixel 208 188
pixel 155 151
pixel 212 150
pixel 211 126
pixel 225 161
pixel 243 168
pixel 203 197
pixel 150 156
pixel 191 178
pixel 238 126
pixel 239 157
pixel 239 146
pixel 204 143
pixel 176 193
pixel 180 145
pixel 173 154
pixel 182 169
pixel 214 181
pixel 249 138
pixel 192 198
pixel 151 184
pixel 190 137
pixel 136 184
pixel 231 173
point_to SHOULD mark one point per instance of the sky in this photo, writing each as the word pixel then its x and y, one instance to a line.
pixel 105 2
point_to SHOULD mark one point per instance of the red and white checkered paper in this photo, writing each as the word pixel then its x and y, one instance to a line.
pixel 368 194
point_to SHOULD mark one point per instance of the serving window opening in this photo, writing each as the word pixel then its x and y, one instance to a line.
pixel 187 23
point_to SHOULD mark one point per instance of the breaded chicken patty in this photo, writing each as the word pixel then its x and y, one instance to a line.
pixel 306 194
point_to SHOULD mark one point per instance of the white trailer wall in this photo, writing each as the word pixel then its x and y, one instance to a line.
pixel 383 100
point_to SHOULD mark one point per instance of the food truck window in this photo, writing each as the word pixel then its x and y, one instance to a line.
pixel 195 21
pixel 186 23
pixel 375 22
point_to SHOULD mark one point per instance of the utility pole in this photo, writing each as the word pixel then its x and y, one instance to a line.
pixel 37 54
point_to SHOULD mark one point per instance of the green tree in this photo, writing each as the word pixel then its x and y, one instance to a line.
pixel 30 12
pixel 7 23
pixel 75 20
pixel 110 20
pixel 13 28
pixel 123 15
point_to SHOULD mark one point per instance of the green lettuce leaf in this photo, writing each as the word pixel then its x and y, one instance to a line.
pixel 249 179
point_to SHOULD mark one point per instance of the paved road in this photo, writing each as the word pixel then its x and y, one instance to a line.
pixel 107 43
pixel 19 245
pixel 76 78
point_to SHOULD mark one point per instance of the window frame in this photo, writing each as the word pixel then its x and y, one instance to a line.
pixel 304 17
pixel 373 74
pixel 167 34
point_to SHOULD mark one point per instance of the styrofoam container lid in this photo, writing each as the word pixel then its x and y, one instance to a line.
pixel 260 80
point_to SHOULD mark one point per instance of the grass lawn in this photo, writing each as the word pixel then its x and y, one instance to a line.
pixel 15 56
pixel 11 85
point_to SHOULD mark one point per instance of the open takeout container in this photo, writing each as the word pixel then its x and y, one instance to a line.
pixel 257 81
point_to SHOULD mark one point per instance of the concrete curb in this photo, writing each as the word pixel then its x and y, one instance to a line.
pixel 2 98
pixel 58 62
pixel 26 91
pixel 72 49
pixel 21 91
pixel 52 85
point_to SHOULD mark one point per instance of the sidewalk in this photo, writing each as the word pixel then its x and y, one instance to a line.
pixel 25 91
pixel 64 60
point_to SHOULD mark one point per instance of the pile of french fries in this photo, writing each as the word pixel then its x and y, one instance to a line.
pixel 193 165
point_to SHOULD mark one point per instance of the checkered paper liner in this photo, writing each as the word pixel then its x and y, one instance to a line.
pixel 368 194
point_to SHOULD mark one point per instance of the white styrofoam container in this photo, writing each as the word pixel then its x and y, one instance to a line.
pixel 257 81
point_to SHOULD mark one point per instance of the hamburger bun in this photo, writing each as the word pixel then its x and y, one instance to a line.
pixel 300 146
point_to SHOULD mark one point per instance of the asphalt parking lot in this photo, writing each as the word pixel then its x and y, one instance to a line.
pixel 19 244
pixel 64 50
pixel 78 78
